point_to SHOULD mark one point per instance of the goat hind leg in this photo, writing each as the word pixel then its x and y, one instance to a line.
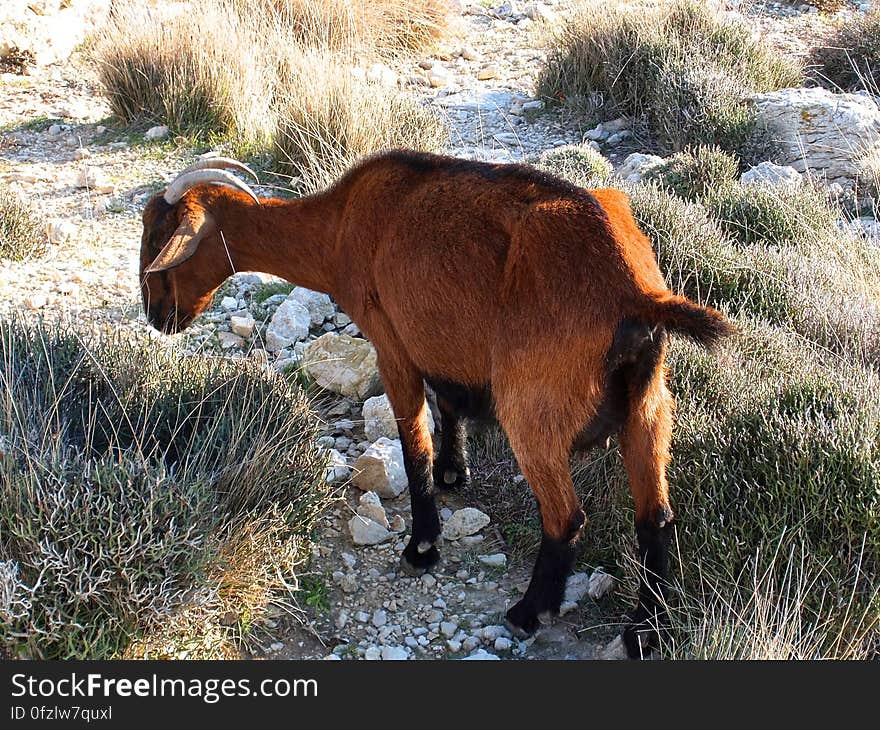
pixel 451 465
pixel 644 443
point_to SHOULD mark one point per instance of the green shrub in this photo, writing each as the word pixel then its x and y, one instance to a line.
pixel 22 232
pixel 781 215
pixel 683 71
pixel 133 481
pixel 692 174
pixel 580 164
pixel 849 57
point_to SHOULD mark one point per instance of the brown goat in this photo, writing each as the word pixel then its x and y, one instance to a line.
pixel 504 288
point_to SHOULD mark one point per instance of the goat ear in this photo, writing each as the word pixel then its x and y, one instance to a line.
pixel 183 243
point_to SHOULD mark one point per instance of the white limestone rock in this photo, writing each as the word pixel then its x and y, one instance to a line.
pixel 637 165
pixel 366 532
pixel 370 506
pixel 288 325
pixel 320 305
pixel 821 131
pixel 600 584
pixel 242 326
pixel 337 468
pixel 467 521
pixel 342 364
pixel 379 419
pixel 769 173
pixel 380 469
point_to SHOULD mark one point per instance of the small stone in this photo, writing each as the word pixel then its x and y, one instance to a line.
pixel 343 364
pixel 448 629
pixel 397 524
pixel 379 419
pixel 600 583
pixel 158 132
pixel 36 301
pixel 496 560
pixel 576 587
pixel 370 506
pixel 373 653
pixel 481 655
pixel 380 618
pixel 366 532
pixel 502 643
pixel 394 653
pixel 289 324
pixel 337 469
pixel 81 153
pixel 228 304
pixel 96 180
pixel 487 72
pixel 469 53
pixel 242 326
pixel 464 522
pixel 320 305
pixel 349 583
pixel 228 340
pixel 380 469
pixel 60 231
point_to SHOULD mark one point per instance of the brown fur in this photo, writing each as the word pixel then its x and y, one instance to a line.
pixel 480 275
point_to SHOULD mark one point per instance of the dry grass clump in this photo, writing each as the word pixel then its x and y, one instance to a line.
pixel 22 231
pixel 281 80
pixel 681 70
pixel 380 27
pixel 145 494
pixel 191 67
pixel 849 57
pixel 328 118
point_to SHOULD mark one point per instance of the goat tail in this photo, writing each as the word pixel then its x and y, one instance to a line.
pixel 704 325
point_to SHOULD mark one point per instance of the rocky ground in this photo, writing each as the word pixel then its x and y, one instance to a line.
pixel 91 178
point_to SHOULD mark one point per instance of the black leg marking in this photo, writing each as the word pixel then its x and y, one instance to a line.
pixel 451 465
pixel 654 535
pixel 421 552
pixel 547 587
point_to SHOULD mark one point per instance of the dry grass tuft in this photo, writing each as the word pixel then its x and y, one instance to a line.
pixel 681 70
pixel 281 81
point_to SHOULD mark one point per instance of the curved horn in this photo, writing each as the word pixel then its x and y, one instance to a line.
pixel 176 189
pixel 218 163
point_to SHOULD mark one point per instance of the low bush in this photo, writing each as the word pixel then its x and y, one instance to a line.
pixel 693 173
pixel 794 216
pixel 580 164
pixel 144 493
pixel 683 71
pixel 22 230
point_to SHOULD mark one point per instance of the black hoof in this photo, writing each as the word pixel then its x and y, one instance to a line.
pixel 640 640
pixel 451 478
pixel 414 562
pixel 522 619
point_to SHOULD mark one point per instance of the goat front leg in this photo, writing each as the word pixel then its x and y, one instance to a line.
pixel 451 465
pixel 644 443
pixel 406 393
